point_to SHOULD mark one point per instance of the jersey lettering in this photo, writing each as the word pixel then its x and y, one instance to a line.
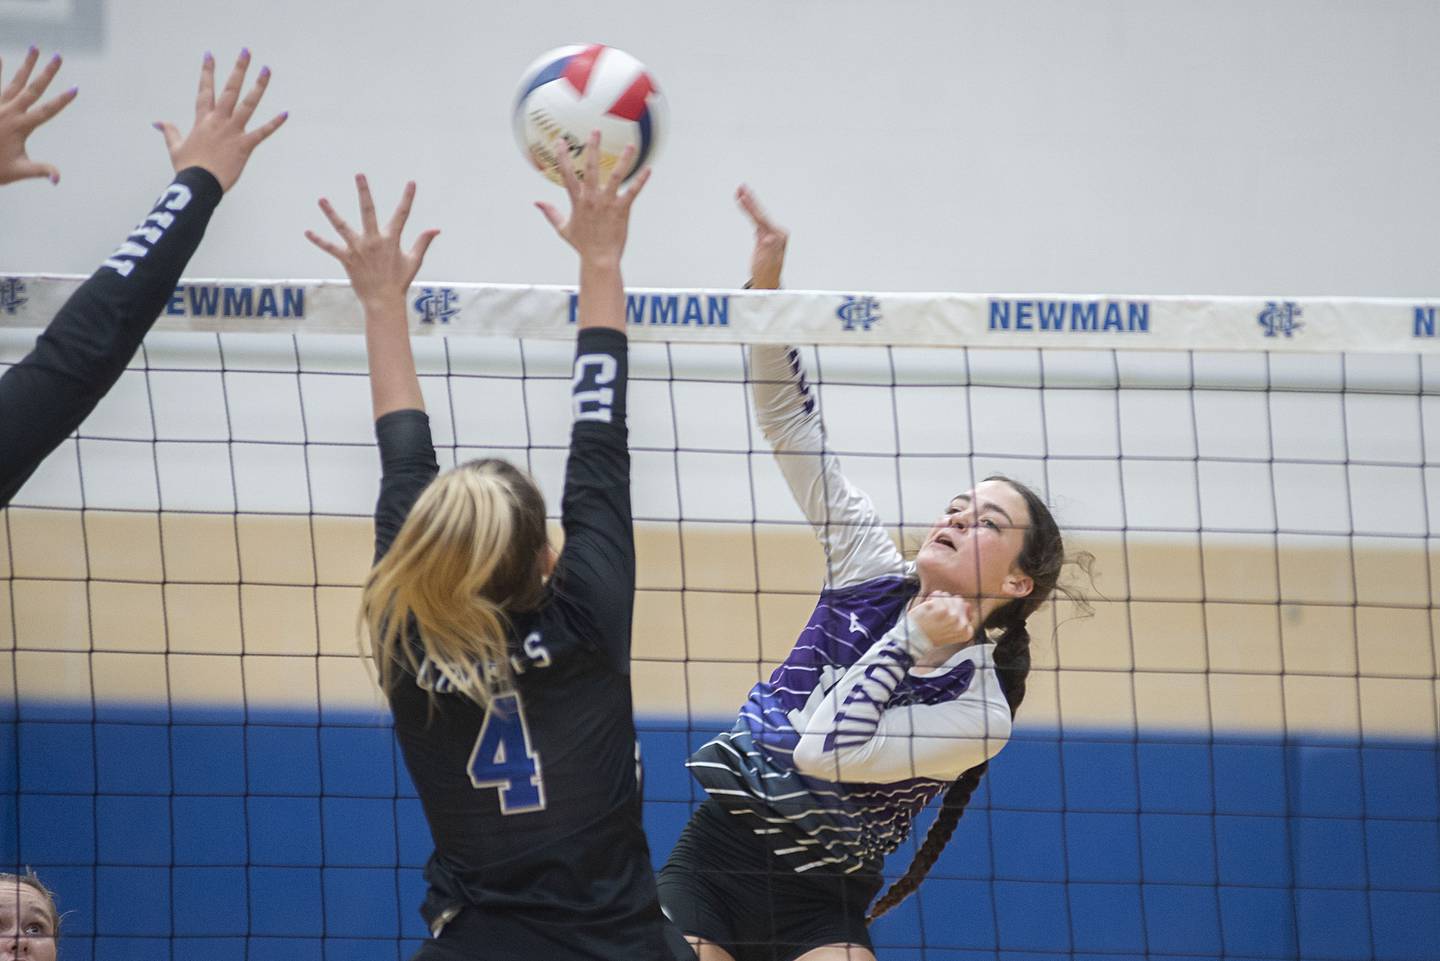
pixel 122 261
pixel 504 758
pixel 535 655
pixel 592 401
pixel 535 650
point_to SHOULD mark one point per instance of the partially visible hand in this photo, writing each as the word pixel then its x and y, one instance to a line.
pixel 17 120
pixel 599 213
pixel 378 269
pixel 218 141
pixel 768 258
pixel 945 619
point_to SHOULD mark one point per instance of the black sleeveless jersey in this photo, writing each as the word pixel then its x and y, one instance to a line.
pixel 534 805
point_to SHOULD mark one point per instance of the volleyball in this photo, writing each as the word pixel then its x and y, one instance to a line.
pixel 570 91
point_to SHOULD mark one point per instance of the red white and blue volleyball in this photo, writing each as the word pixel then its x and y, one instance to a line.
pixel 570 91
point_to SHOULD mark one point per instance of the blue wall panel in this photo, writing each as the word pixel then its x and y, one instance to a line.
pixel 311 842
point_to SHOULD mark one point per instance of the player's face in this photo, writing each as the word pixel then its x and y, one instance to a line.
pixel 972 549
pixel 27 926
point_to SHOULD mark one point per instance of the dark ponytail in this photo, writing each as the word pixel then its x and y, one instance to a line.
pixel 1041 557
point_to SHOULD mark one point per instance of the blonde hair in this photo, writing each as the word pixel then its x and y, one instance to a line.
pixel 467 557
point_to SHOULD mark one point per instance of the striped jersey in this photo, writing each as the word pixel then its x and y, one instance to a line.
pixel 833 756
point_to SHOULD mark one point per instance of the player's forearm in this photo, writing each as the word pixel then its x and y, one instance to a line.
pixel 393 382
pixel 78 358
pixel 856 544
pixel 602 294
pixel 850 712
pixel 856 734
pixel 97 331
pixel 936 741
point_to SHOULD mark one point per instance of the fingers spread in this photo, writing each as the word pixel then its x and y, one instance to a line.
pixel 637 185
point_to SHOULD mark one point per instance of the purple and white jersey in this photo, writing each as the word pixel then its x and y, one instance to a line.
pixel 835 754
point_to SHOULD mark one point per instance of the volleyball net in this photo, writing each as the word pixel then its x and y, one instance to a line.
pixel 1234 756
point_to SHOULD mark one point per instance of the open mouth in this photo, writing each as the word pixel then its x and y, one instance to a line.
pixel 945 538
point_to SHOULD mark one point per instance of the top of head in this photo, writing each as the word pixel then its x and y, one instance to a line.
pixel 570 91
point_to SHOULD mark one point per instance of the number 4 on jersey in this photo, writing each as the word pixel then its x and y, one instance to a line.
pixel 504 759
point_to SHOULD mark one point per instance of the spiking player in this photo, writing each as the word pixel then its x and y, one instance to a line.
pixel 507 668
pixel 901 686
pixel 84 351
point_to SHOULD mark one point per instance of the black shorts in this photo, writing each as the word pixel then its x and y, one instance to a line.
pixel 722 884
pixel 475 935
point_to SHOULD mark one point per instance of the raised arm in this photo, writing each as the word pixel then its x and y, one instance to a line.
pixel 380 273
pixel 596 570
pixel 857 546
pixel 78 358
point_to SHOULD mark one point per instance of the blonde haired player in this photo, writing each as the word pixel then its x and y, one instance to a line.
pixel 506 666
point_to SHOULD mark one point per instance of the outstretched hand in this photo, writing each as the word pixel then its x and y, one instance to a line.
pixel 18 120
pixel 599 212
pixel 219 142
pixel 768 258
pixel 378 269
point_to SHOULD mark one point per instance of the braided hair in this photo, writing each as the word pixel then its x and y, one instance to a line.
pixel 1042 555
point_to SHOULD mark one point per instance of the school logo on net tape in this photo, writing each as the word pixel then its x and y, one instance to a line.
pixel 859 312
pixel 1279 319
pixel 436 305
pixel 12 294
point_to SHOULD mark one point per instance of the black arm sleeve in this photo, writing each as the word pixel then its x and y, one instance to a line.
pixel 596 571
pixel 45 396
pixel 407 466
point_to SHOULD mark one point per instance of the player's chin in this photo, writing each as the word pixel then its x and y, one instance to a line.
pixel 944 569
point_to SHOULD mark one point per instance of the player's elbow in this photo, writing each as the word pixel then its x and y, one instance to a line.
pixel 813 760
pixel 807 754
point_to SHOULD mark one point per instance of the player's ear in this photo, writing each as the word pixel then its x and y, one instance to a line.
pixel 1017 584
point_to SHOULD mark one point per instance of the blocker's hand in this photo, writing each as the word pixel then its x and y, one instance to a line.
pixel 219 142
pixel 18 120
pixel 768 258
pixel 378 269
pixel 599 213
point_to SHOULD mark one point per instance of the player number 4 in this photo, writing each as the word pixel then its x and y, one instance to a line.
pixel 504 759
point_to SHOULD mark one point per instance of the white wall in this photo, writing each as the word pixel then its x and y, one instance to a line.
pixel 1044 145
